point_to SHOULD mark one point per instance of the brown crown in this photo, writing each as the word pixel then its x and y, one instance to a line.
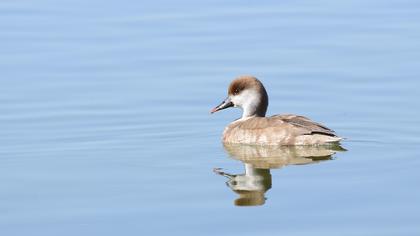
pixel 244 82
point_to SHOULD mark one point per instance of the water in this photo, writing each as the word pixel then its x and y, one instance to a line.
pixel 105 127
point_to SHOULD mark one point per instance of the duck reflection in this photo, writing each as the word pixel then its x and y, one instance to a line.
pixel 258 160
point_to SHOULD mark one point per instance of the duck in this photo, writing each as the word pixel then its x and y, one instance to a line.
pixel 254 128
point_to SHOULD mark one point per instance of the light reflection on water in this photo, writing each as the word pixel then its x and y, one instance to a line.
pixel 105 128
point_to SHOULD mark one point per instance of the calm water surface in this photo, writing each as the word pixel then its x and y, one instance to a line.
pixel 105 128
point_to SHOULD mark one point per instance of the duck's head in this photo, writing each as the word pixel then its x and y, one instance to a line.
pixel 247 93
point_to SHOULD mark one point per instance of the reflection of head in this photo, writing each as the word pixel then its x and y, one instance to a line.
pixel 251 186
pixel 253 179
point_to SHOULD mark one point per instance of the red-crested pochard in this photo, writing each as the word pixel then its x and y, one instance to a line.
pixel 249 94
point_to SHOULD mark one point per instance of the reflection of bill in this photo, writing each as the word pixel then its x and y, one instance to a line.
pixel 258 160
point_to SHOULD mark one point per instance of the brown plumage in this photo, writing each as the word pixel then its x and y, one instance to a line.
pixel 248 93
pixel 278 130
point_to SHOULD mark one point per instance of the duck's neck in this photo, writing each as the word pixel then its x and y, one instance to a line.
pixel 256 108
pixel 253 112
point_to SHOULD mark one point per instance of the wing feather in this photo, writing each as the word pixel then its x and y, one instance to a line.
pixel 309 125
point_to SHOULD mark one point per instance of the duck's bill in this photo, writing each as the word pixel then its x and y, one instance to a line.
pixel 225 104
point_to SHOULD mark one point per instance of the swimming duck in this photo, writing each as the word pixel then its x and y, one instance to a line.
pixel 249 94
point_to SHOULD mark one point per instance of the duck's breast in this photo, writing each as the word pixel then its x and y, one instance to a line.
pixel 257 130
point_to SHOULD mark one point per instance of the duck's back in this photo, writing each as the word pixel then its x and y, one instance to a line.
pixel 279 130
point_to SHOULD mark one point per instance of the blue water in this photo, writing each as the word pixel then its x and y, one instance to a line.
pixel 105 125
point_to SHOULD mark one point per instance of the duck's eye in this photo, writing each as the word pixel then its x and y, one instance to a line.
pixel 236 91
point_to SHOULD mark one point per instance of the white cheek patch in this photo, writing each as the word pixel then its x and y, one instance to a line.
pixel 248 100
pixel 252 97
pixel 237 100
